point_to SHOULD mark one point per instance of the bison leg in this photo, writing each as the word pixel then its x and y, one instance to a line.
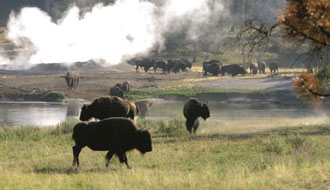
pixel 76 151
pixel 189 125
pixel 195 126
pixel 122 158
pixel 108 158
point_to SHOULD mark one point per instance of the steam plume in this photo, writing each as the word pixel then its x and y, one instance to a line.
pixel 110 33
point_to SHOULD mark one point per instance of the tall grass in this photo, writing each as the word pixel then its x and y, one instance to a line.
pixel 294 157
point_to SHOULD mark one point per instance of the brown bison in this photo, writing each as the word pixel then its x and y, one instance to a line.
pixel 126 86
pixel 233 69
pixel 253 68
pixel 160 65
pixel 115 135
pixel 146 63
pixel 72 79
pixel 273 67
pixel 214 69
pixel 187 63
pixel 105 107
pixel 261 67
pixel 143 108
pixel 133 109
pixel 116 91
pixel 192 110
pixel 205 63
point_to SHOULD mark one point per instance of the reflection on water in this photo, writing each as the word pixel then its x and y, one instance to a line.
pixel 36 114
pixel 46 114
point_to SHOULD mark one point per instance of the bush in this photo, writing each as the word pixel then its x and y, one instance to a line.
pixel 296 141
pixel 323 74
pixel 173 126
pixel 274 146
pixel 65 127
pixel 52 96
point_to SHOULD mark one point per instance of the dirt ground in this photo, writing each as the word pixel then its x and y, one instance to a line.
pixel 97 84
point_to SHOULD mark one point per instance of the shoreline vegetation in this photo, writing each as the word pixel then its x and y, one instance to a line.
pixel 220 156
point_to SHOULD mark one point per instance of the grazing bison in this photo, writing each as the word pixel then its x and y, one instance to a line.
pixel 186 63
pixel 143 108
pixel 273 67
pixel 214 69
pixel 253 68
pixel 170 64
pixel 192 110
pixel 146 63
pixel 115 135
pixel 233 70
pixel 116 91
pixel 72 79
pixel 105 107
pixel 161 65
pixel 261 67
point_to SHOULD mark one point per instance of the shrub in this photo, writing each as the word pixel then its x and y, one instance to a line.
pixel 52 96
pixel 296 141
pixel 274 146
pixel 65 127
pixel 323 74
pixel 173 126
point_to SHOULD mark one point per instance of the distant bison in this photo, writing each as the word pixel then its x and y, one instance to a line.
pixel 261 67
pixel 192 110
pixel 186 63
pixel 214 69
pixel 105 107
pixel 116 91
pixel 179 65
pixel 160 65
pixel 126 86
pixel 143 107
pixel 273 67
pixel 253 68
pixel 205 63
pixel 115 135
pixel 233 70
pixel 146 63
pixel 72 79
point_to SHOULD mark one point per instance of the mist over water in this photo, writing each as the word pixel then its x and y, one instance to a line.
pixel 112 33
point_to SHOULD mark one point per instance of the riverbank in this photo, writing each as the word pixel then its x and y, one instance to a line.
pixel 217 157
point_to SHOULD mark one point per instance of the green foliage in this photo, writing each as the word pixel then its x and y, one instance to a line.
pixel 323 74
pixel 174 126
pixel 274 146
pixel 20 133
pixel 296 141
pixel 52 96
pixel 65 127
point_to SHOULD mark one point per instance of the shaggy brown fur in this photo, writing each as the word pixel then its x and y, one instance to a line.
pixel 253 68
pixel 116 91
pixel 105 107
pixel 115 135
pixel 72 79
pixel 192 110
pixel 143 107
pixel 134 110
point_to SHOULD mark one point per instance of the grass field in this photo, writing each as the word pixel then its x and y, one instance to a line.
pixel 223 155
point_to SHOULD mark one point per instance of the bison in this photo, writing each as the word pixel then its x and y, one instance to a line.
pixel 72 79
pixel 233 69
pixel 115 135
pixel 146 63
pixel 253 68
pixel 116 91
pixel 133 109
pixel 143 107
pixel 205 63
pixel 214 69
pixel 161 65
pixel 192 110
pixel 105 107
pixel 261 67
pixel 273 67
pixel 186 63
pixel 126 86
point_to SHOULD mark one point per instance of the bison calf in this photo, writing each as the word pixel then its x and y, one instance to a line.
pixel 115 135
pixel 192 110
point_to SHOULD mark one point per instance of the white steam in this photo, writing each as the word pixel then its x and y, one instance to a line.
pixel 110 33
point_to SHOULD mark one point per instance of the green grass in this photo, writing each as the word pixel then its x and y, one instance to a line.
pixel 278 158
pixel 184 92
pixel 52 96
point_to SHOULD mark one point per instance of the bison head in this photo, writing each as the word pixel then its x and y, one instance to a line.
pixel 144 143
pixel 205 112
pixel 84 114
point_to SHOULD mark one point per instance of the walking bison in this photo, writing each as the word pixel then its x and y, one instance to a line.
pixel 214 69
pixel 192 110
pixel 115 135
pixel 105 107
pixel 72 79
pixel 146 63
pixel 253 68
